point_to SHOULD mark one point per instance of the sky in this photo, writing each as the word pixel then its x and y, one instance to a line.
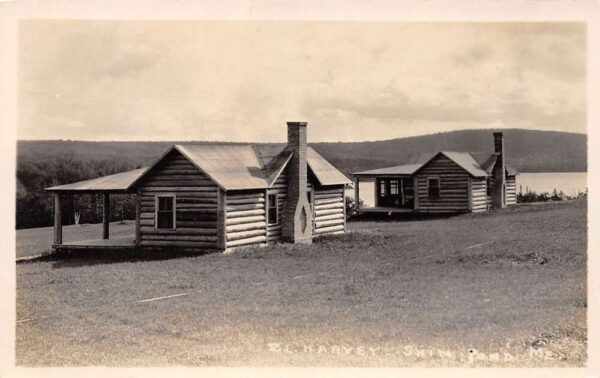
pixel 242 80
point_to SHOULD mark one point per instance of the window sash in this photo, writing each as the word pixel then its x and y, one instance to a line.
pixel 433 188
pixel 165 212
pixel 273 209
pixel 165 203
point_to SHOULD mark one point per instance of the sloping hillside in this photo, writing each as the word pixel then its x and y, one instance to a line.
pixel 527 150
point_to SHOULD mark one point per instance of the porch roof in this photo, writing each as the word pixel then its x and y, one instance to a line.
pixel 117 183
pixel 399 170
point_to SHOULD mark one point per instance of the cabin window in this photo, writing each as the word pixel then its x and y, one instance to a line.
pixel 382 188
pixel 394 187
pixel 272 211
pixel 488 184
pixel 433 188
pixel 165 212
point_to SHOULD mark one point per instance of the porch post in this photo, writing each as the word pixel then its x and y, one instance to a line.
pixel 356 193
pixel 376 184
pixel 57 219
pixel 105 215
pixel 138 213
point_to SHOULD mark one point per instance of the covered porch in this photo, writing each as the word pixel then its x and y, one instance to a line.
pixel 394 189
pixel 120 183
pixel 116 243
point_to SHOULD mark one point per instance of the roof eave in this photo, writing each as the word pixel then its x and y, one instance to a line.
pixel 87 191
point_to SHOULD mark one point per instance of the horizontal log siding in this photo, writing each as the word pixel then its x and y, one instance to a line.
pixel 478 194
pixel 454 186
pixel 245 222
pixel 328 203
pixel 511 190
pixel 196 206
pixel 279 187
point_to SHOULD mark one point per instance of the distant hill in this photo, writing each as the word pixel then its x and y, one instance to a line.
pixel 527 150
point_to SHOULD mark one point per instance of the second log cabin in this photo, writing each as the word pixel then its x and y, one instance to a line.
pixel 447 182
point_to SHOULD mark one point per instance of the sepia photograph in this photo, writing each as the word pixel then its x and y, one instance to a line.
pixel 300 193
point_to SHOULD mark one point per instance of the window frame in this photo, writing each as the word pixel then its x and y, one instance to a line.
pixel 173 197
pixel 488 186
pixel 269 207
pixel 395 184
pixel 429 187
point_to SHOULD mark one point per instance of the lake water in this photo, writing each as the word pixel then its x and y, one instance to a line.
pixel 569 182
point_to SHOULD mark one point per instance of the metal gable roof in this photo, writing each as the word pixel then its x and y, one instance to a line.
pixel 325 173
pixel 467 162
pixel 477 165
pixel 237 167
pixel 488 165
pixel 278 155
pixel 232 167
pixel 117 183
pixel 464 159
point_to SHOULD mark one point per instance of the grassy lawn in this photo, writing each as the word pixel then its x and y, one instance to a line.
pixel 504 289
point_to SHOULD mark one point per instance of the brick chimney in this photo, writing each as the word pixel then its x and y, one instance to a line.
pixel 297 215
pixel 499 173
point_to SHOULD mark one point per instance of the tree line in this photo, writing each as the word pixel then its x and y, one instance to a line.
pixel 35 205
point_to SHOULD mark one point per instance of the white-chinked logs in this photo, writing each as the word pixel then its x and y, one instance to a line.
pixel 240 242
pixel 328 210
pixel 245 218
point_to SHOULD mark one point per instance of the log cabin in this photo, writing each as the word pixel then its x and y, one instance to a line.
pixel 447 182
pixel 219 197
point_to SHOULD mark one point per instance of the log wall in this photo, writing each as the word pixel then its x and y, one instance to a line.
pixel 478 194
pixel 328 213
pixel 454 186
pixel 511 190
pixel 195 205
pixel 209 218
pixel 245 218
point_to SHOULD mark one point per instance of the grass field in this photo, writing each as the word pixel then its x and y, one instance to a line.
pixel 504 289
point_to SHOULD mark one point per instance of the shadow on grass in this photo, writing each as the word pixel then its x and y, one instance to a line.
pixel 90 257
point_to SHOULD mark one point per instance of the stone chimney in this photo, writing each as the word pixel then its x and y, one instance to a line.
pixel 297 215
pixel 499 173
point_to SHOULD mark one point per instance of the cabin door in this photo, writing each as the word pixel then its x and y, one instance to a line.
pixel 389 192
